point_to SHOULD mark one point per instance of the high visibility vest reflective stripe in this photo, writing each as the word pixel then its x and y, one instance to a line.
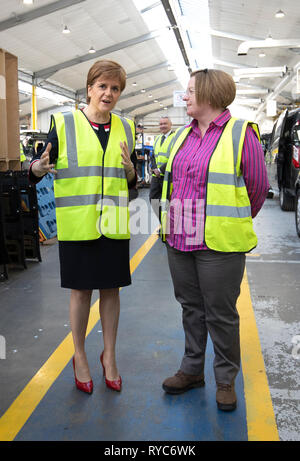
pixel 228 223
pixel 90 187
pixel 161 152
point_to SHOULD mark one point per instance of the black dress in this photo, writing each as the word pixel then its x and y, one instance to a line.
pixel 93 264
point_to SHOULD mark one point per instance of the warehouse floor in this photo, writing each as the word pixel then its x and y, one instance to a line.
pixel 39 400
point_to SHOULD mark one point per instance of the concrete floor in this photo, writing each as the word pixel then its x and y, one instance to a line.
pixel 34 321
pixel 274 278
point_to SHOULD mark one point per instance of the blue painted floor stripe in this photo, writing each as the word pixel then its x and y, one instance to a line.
pixel 150 347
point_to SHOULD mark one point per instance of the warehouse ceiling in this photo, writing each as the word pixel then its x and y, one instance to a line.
pixel 242 36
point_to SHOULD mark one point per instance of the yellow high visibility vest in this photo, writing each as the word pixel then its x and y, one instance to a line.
pixel 161 152
pixel 228 222
pixel 90 187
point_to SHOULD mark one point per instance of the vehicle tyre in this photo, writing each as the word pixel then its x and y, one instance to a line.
pixel 297 212
pixel 287 202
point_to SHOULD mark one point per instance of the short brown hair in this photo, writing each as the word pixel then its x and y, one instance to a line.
pixel 214 87
pixel 110 69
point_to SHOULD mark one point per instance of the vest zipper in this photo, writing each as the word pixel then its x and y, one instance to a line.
pixel 206 180
pixel 102 191
pixel 102 166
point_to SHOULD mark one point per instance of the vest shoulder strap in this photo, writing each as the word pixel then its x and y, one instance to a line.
pixel 128 131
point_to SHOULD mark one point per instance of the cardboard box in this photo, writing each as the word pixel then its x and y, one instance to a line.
pixel 12 107
pixel 3 117
pixel 9 111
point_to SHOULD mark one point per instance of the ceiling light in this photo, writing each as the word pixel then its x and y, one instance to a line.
pixel 248 101
pixel 66 30
pixel 155 100
pixel 261 75
pixel 143 90
pixel 149 95
pixel 161 104
pixel 267 43
pixel 252 91
pixel 134 84
pixel 92 50
pixel 262 54
pixel 279 14
pixel 27 2
pixel 165 108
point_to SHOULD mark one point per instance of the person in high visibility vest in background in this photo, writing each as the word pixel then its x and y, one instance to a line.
pixel 22 155
pixel 215 183
pixel 159 161
pixel 90 150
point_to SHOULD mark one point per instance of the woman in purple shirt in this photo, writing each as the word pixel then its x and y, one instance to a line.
pixel 207 276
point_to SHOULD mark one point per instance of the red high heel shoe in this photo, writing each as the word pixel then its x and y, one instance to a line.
pixel 116 384
pixel 84 387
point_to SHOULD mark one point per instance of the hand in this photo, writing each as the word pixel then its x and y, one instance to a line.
pixel 156 172
pixel 128 165
pixel 43 166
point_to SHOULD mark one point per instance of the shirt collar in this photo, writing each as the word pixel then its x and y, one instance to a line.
pixel 218 121
pixel 167 134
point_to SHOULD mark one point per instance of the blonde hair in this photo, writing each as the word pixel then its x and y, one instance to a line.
pixel 214 87
pixel 110 69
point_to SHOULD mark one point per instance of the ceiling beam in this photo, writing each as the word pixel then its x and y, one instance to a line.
pixel 277 90
pixel 174 25
pixel 47 109
pixel 148 69
pixel 150 7
pixel 267 43
pixel 47 72
pixel 35 13
pixel 143 104
pixel 231 36
pixel 145 70
pixel 151 88
pixel 252 91
pixel 219 62
pixel 25 101
pixel 141 116
pixel 46 85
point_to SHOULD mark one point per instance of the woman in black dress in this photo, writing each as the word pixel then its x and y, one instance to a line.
pixel 92 177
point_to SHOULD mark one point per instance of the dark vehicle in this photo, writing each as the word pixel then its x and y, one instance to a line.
pixel 297 205
pixel 285 147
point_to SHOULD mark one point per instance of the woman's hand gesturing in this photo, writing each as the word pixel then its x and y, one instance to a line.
pixel 128 165
pixel 42 166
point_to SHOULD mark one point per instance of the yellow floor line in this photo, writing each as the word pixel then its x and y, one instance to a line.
pixel 260 414
pixel 23 406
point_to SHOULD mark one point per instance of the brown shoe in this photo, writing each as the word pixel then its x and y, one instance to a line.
pixel 182 382
pixel 226 397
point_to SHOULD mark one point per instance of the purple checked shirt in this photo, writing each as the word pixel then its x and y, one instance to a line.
pixel 189 173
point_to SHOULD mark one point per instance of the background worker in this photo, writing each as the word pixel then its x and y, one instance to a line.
pixel 22 154
pixel 159 161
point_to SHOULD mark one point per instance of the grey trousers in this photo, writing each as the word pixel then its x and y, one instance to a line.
pixel 155 193
pixel 207 285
